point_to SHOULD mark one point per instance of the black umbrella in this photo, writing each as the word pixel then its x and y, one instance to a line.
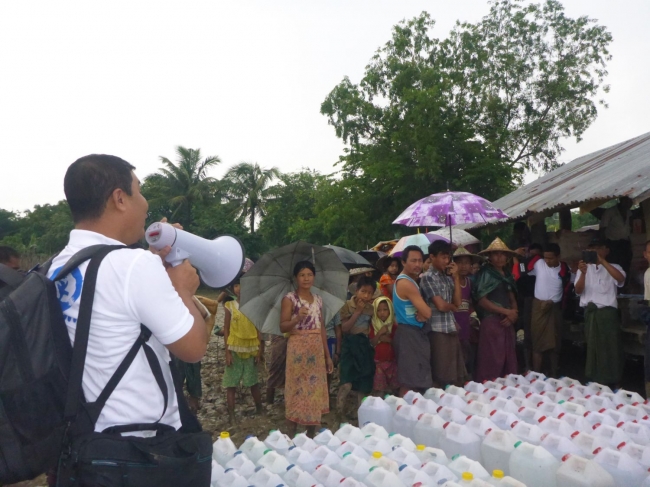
pixel 372 256
pixel 349 259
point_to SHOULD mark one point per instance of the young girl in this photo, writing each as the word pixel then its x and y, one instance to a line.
pixel 244 350
pixel 382 333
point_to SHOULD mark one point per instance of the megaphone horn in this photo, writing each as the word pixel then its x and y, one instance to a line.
pixel 218 261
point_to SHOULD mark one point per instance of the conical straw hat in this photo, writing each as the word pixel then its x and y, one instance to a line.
pixel 498 246
pixel 463 252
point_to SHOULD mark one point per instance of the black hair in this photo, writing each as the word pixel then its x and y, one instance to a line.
pixel 303 264
pixel 90 181
pixel 409 249
pixel 536 246
pixel 389 261
pixel 552 248
pixel 367 281
pixel 439 247
pixel 7 253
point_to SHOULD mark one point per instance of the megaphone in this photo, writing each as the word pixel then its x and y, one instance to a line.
pixel 219 261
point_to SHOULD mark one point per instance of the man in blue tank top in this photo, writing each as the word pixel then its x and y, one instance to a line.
pixel 411 343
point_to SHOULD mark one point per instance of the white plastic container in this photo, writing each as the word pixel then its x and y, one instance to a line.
pixel 555 426
pixel 508 391
pixel 503 404
pixel 402 456
pixel 327 476
pixel 627 397
pixel 461 463
pixel 480 426
pixel 559 446
pixel 429 430
pixel 348 432
pixel 253 448
pixel 582 401
pixel 351 482
pixel 476 408
pixel 533 465
pixel 411 476
pixel 588 443
pixel 528 433
pixel 276 463
pixel 232 478
pixel 475 396
pixel 452 401
pixel 372 444
pixel 297 477
pixel 631 412
pixel 472 386
pixel 428 454
pixel 223 449
pixel 639 453
pixel 541 386
pixel 349 447
pixel 504 420
pixel 242 464
pixel 638 433
pixel 380 477
pixel 555 383
pixel 409 396
pixel 532 399
pixel 517 379
pixel 501 480
pixel 374 429
pixel 395 440
pixel 434 394
pixel 599 417
pixel 379 460
pixel 490 384
pixel 599 388
pixel 394 402
pixel 457 391
pixel 437 472
pixel 452 414
pixel 326 438
pixel 353 466
pixel 263 478
pixel 568 394
pixel 404 420
pixel 596 402
pixel 496 449
pixel 305 442
pixel 614 414
pixel 577 423
pixel 576 471
pixel 424 405
pixel 460 440
pixel 612 434
pixel 573 408
pixel 325 456
pixel 622 467
pixel 550 409
pixel 529 415
pixel 278 441
pixel 216 474
pixel 552 395
pixel 302 458
pixel 568 381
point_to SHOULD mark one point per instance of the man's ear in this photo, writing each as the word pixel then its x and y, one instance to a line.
pixel 118 200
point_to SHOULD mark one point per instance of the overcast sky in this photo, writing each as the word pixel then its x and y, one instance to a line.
pixel 240 79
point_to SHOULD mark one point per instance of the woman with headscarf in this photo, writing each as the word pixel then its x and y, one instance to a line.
pixel 495 294
pixel 381 337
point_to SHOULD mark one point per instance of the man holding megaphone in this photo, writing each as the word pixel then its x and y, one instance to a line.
pixel 133 288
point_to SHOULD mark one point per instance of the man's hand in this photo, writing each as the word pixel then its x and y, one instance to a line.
pixel 600 260
pixel 521 251
pixel 229 358
pixel 184 278
pixel 419 317
pixel 582 266
pixel 453 269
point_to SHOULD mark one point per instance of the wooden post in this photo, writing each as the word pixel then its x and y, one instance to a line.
pixel 645 206
pixel 565 219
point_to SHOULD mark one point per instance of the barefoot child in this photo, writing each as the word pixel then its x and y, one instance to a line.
pixel 244 350
pixel 382 333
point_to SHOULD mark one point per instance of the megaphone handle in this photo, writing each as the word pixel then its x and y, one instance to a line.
pixel 176 257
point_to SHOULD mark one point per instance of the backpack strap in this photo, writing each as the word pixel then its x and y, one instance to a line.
pixel 82 256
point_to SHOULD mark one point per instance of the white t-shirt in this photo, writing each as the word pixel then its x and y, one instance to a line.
pixel 600 286
pixel 132 288
pixel 548 283
pixel 616 228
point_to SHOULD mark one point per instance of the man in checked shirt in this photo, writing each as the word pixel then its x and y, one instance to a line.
pixel 441 290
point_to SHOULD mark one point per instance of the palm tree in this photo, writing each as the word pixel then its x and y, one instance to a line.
pixel 181 185
pixel 249 186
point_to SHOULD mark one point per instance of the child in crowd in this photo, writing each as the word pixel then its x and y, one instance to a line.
pixel 332 339
pixel 464 260
pixel 393 266
pixel 381 336
pixel 244 350
pixel 357 357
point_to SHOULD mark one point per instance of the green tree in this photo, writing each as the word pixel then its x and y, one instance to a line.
pixel 177 188
pixel 471 112
pixel 8 223
pixel 248 186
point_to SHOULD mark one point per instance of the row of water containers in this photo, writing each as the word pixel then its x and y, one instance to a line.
pixel 516 431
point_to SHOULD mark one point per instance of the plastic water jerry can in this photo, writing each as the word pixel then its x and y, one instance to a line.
pixel 375 410
pixel 533 465
pixel 496 449
pixel 223 449
pixel 576 471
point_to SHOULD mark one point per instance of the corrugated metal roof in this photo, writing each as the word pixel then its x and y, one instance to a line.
pixel 620 170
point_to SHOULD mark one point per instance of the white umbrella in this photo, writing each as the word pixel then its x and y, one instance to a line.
pixel 461 237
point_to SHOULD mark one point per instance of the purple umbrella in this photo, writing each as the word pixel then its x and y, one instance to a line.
pixel 448 209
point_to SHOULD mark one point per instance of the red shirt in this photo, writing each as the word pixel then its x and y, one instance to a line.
pixel 384 351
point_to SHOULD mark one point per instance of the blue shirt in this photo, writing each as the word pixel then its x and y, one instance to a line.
pixel 404 310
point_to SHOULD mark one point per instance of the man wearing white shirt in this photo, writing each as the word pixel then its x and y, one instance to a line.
pixel 133 287
pixel 552 277
pixel 597 285
pixel 615 227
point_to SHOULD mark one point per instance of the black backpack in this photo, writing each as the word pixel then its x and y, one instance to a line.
pixel 35 357
pixel 45 421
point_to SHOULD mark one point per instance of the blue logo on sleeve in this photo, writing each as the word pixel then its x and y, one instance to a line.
pixel 68 289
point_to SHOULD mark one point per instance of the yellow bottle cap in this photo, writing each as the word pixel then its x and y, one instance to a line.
pixel 420 447
pixel 497 474
pixel 467 476
pixel 376 454
pixel 224 435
